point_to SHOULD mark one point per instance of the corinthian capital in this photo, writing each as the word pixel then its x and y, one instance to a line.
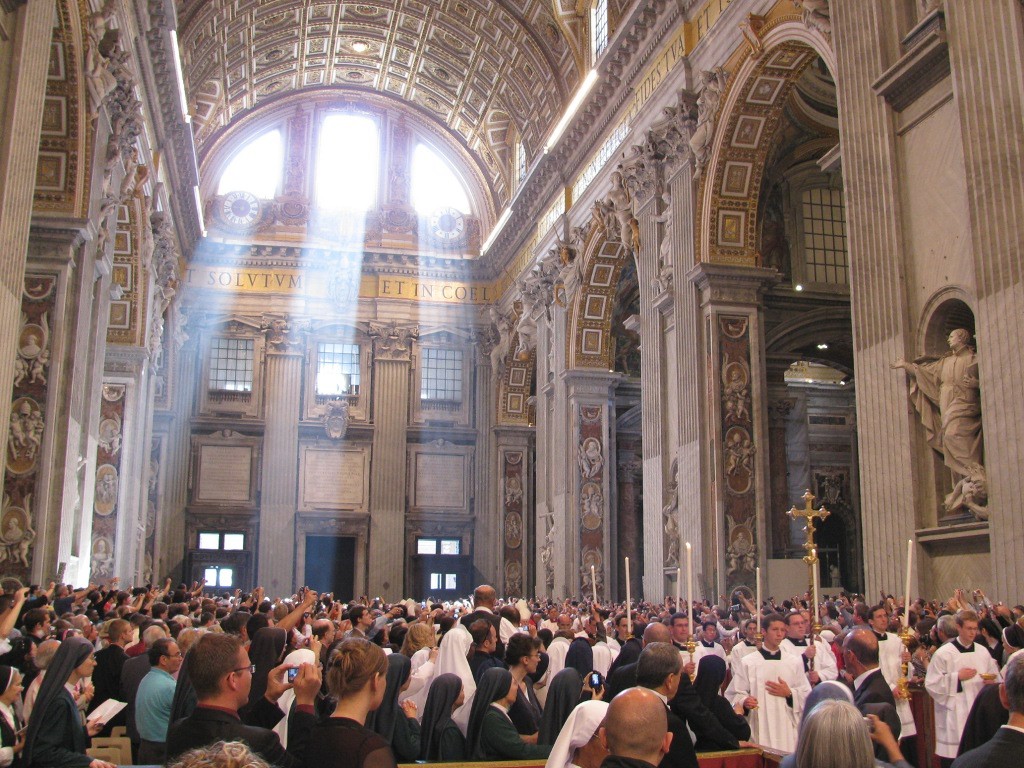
pixel 392 341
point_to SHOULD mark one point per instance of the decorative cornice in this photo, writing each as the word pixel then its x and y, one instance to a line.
pixel 158 20
pixel 924 63
pixel 638 38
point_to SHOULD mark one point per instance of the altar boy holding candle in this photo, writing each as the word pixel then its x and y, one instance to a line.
pixel 770 687
pixel 957 673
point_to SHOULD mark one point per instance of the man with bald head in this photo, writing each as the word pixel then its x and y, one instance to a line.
pixel 660 669
pixel 635 730
pixel 624 676
pixel 871 693
pixel 485 600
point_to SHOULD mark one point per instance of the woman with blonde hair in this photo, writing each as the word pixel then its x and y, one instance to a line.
pixel 357 680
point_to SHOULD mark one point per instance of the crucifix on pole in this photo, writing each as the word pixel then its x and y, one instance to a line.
pixel 809 514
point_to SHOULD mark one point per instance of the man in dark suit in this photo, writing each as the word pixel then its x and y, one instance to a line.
pixel 1006 747
pixel 484 601
pixel 860 658
pixel 624 676
pixel 221 674
pixel 659 669
pixel 106 678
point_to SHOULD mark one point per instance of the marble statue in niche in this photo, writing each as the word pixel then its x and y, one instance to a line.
pixel 502 328
pixel 670 514
pixel 946 393
pixel 547 551
pixel 110 434
pixel 513 490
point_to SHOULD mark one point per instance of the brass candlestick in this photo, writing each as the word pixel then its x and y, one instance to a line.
pixel 903 684
pixel 691 646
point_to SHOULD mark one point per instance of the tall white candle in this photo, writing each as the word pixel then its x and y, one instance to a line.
pixel 689 585
pixel 629 607
pixel 679 586
pixel 757 605
pixel 814 580
pixel 593 581
pixel 906 592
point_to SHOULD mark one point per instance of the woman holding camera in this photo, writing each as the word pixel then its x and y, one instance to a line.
pixel 522 654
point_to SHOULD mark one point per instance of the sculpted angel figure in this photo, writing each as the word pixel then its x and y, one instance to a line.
pixel 714 81
pixel 946 393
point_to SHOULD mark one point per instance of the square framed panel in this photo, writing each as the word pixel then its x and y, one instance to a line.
pixel 765 90
pixel 517 376
pixel 514 404
pixel 601 277
pixel 747 134
pixel 591 341
pixel 787 58
pixel 736 179
pixel 120 315
pixel 594 308
pixel 731 227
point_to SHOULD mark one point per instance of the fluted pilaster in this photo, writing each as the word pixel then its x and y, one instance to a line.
pixel 986 50
pixel 392 350
pixel 486 543
pixel 864 35
pixel 19 149
pixel 279 489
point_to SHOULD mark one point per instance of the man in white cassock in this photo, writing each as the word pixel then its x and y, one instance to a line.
pixel 708 641
pixel 814 653
pixel 954 681
pixel 769 686
pixel 890 658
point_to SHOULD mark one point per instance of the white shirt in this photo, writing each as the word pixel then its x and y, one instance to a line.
pixel 774 722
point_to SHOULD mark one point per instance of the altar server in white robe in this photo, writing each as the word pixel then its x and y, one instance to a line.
pixel 890 659
pixel 769 687
pixel 954 680
pixel 814 654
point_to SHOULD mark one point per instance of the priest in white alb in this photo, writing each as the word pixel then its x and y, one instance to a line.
pixel 769 687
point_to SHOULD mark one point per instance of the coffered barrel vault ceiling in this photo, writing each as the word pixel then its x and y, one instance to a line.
pixel 487 69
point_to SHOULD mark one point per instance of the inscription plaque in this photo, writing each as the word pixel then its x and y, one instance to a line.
pixel 225 473
pixel 440 481
pixel 333 478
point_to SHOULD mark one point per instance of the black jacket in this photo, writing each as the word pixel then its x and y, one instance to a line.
pixel 206 726
pixel 495 621
pixel 680 752
pixel 872 692
pixel 1003 751
pixel 106 680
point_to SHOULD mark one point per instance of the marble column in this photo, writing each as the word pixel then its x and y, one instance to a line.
pixel 279 488
pixel 778 412
pixel 986 49
pixel 486 542
pixel 629 533
pixel 554 516
pixel 865 36
pixel 22 117
pixel 684 350
pixel 736 421
pixel 392 356
pixel 653 386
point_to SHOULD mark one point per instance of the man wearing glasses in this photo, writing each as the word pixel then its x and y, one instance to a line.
pixel 221 673
pixel 153 700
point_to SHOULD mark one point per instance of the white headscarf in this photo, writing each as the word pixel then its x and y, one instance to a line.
pixel 579 728
pixel 293 659
pixel 452 658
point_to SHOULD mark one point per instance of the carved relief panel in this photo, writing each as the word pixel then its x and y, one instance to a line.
pixel 106 498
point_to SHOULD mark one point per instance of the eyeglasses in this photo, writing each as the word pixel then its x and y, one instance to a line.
pixel 251 668
pixel 177 655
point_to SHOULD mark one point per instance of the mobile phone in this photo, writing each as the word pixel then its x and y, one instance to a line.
pixel 293 672
pixel 869 724
pixel 596 680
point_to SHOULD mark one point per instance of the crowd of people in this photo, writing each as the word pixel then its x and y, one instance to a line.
pixel 308 680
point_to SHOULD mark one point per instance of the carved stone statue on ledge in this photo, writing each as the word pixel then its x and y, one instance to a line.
pixel 945 391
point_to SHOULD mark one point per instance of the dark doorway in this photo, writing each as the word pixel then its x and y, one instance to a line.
pixel 442 577
pixel 330 564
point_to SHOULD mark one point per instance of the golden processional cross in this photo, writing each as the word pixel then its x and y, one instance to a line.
pixel 811 558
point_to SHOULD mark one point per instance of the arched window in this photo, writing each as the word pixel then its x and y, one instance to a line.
pixel 434 183
pixel 598 28
pixel 347 163
pixel 256 168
